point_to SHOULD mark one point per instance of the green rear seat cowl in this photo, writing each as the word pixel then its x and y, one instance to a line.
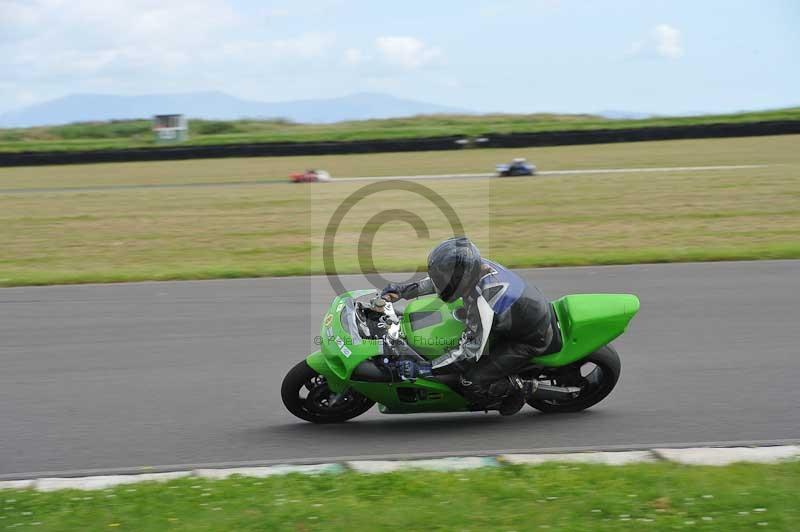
pixel 588 322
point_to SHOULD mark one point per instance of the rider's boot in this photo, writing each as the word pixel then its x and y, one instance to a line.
pixel 512 391
pixel 506 395
pixel 475 394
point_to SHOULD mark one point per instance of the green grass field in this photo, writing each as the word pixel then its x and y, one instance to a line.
pixel 560 497
pixel 277 228
pixel 137 133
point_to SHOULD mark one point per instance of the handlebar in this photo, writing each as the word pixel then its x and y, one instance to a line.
pixel 385 307
pixel 377 303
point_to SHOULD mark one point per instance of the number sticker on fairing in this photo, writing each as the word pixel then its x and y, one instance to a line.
pixel 345 351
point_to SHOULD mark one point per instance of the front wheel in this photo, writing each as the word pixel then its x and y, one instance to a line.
pixel 596 375
pixel 306 394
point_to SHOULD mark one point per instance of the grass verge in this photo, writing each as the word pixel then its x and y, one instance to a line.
pixel 257 230
pixel 553 496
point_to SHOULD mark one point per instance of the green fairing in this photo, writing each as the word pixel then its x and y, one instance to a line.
pixel 337 365
pixel 587 322
pixel 431 396
pixel 317 362
pixel 433 340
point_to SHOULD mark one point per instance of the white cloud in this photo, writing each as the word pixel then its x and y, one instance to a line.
pixel 664 40
pixel 354 57
pixel 407 52
pixel 391 53
pixel 306 46
pixel 668 41
pixel 49 48
pixel 92 37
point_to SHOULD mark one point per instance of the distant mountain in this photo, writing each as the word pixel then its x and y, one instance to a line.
pixel 216 105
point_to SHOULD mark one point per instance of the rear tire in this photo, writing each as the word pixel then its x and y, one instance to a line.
pixel 306 394
pixel 596 384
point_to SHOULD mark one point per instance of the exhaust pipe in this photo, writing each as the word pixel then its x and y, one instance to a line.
pixel 550 392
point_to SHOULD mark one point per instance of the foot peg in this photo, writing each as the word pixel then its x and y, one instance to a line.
pixel 536 390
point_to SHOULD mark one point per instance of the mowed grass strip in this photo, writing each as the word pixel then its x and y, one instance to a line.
pixel 707 152
pixel 218 232
pixel 554 496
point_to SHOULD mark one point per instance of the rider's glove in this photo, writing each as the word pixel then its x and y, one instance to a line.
pixel 393 288
pixel 410 370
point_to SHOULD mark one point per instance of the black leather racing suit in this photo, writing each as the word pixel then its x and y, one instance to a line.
pixel 507 323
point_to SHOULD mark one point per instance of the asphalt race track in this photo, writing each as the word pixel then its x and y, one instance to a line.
pixel 113 377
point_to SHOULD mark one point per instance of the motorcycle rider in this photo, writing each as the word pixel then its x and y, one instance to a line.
pixel 507 322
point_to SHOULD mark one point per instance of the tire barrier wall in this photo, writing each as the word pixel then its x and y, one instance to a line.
pixel 490 140
pixel 603 136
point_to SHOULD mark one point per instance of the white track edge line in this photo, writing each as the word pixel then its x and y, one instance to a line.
pixel 558 172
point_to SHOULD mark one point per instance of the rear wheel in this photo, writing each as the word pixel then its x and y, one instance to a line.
pixel 596 375
pixel 306 394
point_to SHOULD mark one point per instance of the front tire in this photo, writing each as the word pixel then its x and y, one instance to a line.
pixel 306 394
pixel 596 374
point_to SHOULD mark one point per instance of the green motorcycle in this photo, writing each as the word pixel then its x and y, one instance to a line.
pixel 363 337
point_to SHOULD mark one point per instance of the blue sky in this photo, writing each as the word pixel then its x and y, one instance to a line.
pixel 513 56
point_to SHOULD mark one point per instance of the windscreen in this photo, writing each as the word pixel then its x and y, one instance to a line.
pixel 348 319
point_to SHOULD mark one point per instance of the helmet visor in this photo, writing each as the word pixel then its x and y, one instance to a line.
pixel 449 286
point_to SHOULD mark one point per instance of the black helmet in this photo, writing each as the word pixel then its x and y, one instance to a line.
pixel 454 266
